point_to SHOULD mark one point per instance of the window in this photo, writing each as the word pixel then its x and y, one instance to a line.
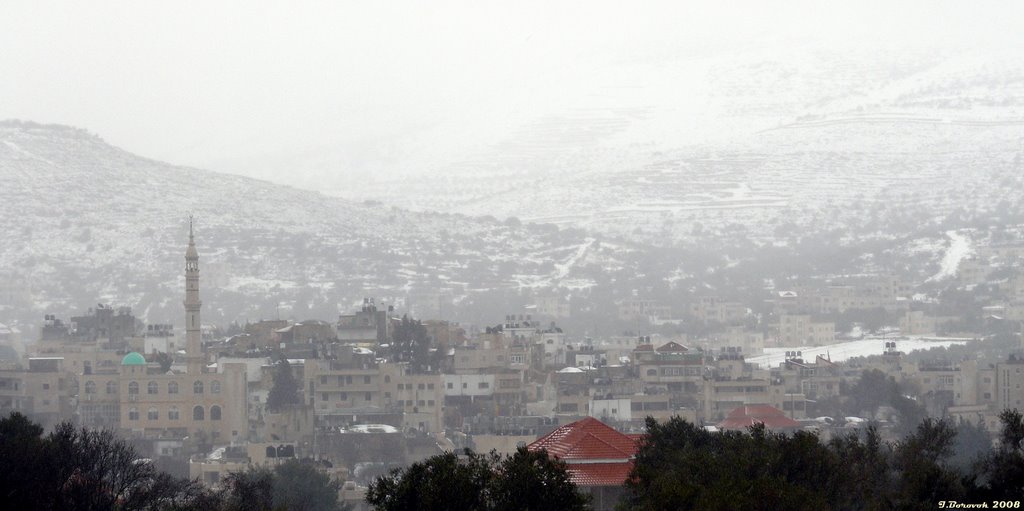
pixel 430 402
pixel 152 414
pixel 465 385
pixel 151 387
pixel 419 403
pixel 366 380
pixel 323 380
pixel 215 413
pixel 516 359
pixel 215 387
pixel 172 388
pixel 430 386
pixel 133 388
pixel 46 386
pixel 343 396
pixel 483 385
pixel 367 398
pixel 324 396
pixel 90 387
pixel 173 414
pixel 133 414
pixel 197 413
pixel 387 378
pixel 348 380
pixel 451 385
pixel 197 387
pixel 111 387
pixel 420 386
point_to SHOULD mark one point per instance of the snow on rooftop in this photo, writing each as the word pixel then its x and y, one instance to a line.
pixel 371 428
pixel 839 352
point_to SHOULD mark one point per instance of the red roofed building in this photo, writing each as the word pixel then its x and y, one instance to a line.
pixel 598 457
pixel 745 416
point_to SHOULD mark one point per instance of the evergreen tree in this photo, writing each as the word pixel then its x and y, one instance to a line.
pixel 412 344
pixel 285 391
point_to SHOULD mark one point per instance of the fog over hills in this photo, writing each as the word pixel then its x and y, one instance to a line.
pixel 756 136
pixel 821 196
pixel 89 222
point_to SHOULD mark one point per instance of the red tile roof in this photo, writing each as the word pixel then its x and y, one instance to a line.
pixel 596 454
pixel 586 439
pixel 746 416
pixel 600 474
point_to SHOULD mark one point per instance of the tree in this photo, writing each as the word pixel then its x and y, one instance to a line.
pixel 412 344
pixel 1012 435
pixel 285 391
pixel 295 485
pixel 682 466
pixel 533 480
pixel 921 458
pixel 25 465
pixel 299 486
pixel 1003 470
pixel 478 482
pixel 439 483
pixel 249 490
pixel 165 360
pixel 84 469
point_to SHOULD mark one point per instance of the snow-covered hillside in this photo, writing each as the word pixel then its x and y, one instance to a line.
pixel 89 222
pixel 750 136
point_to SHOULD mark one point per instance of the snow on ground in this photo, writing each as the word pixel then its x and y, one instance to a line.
pixel 960 248
pixel 846 350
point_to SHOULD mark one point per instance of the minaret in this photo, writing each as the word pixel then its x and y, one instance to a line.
pixel 193 333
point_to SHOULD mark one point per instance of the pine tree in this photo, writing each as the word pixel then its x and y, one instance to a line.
pixel 285 392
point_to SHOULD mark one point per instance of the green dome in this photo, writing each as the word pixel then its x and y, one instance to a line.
pixel 133 359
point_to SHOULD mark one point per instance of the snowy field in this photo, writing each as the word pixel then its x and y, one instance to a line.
pixel 846 350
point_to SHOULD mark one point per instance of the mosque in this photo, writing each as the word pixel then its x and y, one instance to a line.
pixel 199 397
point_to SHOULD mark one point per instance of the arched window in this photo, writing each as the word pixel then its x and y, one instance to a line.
pixel 133 388
pixel 172 388
pixel 111 387
pixel 133 414
pixel 153 414
pixel 172 414
pixel 152 388
pixel 197 413
pixel 215 413
pixel 90 387
pixel 215 387
pixel 197 387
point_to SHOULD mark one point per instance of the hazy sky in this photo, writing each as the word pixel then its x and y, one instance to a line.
pixel 226 85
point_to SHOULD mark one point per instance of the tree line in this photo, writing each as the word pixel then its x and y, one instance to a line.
pixel 82 469
pixel 682 466
pixel 678 465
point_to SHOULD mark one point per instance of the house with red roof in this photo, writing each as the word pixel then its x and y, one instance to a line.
pixel 598 458
pixel 745 416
